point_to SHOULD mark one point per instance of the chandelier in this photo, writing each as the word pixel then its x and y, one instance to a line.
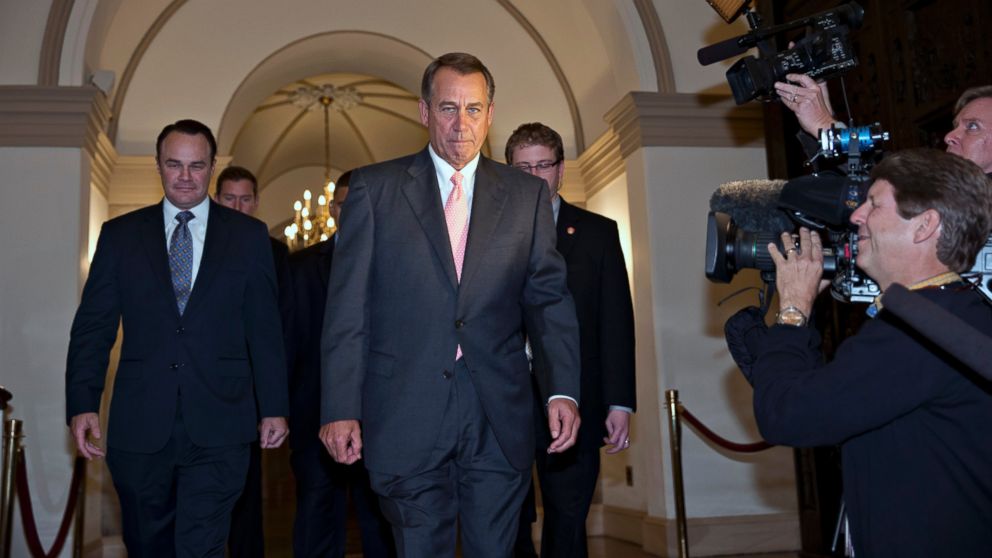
pixel 312 222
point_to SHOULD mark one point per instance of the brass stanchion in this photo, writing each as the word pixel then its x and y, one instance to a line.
pixel 11 445
pixel 77 529
pixel 675 427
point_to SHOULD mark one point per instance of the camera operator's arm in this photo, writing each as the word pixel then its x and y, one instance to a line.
pixel 809 100
pixel 798 272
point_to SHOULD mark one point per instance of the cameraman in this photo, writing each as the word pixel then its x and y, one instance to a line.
pixel 971 137
pixel 913 423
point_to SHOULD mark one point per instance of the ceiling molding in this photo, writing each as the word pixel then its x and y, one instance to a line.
pixel 645 119
pixel 658 45
pixel 135 61
pixel 566 88
pixel 51 43
pixel 51 116
pixel 601 163
pixel 102 164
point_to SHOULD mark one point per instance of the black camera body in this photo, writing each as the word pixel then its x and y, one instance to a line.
pixel 822 202
pixel 826 51
pixel 821 54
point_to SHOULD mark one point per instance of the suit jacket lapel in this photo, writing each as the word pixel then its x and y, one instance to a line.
pixel 487 208
pixel 153 240
pixel 214 246
pixel 568 218
pixel 422 192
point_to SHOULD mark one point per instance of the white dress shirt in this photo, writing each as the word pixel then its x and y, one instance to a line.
pixel 197 229
pixel 444 172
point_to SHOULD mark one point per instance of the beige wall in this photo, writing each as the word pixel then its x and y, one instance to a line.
pixel 45 229
pixel 22 26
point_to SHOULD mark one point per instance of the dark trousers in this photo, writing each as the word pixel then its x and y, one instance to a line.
pixel 568 482
pixel 178 500
pixel 322 488
pixel 468 480
pixel 246 539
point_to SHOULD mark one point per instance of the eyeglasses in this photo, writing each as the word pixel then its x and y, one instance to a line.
pixel 543 166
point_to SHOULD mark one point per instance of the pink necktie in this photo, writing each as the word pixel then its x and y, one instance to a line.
pixel 456 215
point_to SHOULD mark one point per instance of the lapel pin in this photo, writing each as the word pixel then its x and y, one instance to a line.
pixel 570 230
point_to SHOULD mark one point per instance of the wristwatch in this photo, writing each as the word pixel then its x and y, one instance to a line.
pixel 791 316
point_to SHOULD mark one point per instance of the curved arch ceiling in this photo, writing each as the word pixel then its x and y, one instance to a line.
pixel 212 45
pixel 284 133
pixel 383 57
pixel 194 65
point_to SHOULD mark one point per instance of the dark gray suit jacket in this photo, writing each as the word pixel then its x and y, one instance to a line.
pixel 396 312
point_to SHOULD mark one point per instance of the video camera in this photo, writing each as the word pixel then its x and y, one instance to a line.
pixel 746 216
pixel 824 52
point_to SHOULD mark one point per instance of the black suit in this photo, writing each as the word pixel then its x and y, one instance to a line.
pixel 597 279
pixel 445 438
pixel 322 485
pixel 913 425
pixel 247 529
pixel 185 383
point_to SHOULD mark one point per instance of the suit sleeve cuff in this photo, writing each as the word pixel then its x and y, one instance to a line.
pixel 627 410
pixel 563 397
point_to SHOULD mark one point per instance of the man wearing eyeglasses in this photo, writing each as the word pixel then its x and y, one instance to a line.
pixel 597 279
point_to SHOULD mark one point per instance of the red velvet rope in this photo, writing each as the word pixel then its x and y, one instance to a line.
pixel 27 513
pixel 719 440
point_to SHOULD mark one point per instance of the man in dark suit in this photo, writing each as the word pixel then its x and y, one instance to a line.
pixel 442 258
pixel 597 279
pixel 237 188
pixel 322 486
pixel 192 283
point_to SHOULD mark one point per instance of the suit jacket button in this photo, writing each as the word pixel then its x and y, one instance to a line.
pixel 459 324
pixel 180 331
pixel 174 366
pixel 446 375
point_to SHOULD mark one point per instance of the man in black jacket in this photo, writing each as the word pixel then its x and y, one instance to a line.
pixel 323 486
pixel 912 421
pixel 192 285
pixel 597 279
pixel 237 188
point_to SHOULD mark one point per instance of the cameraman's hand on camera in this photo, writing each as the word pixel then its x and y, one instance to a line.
pixel 809 100
pixel 799 271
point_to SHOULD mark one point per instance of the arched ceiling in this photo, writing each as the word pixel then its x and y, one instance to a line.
pixel 563 62
pixel 381 57
pixel 204 51
pixel 286 131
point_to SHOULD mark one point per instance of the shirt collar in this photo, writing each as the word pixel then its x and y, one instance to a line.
pixel 445 170
pixel 200 211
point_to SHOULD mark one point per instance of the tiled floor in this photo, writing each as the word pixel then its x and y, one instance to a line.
pixel 279 499
pixel 605 547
